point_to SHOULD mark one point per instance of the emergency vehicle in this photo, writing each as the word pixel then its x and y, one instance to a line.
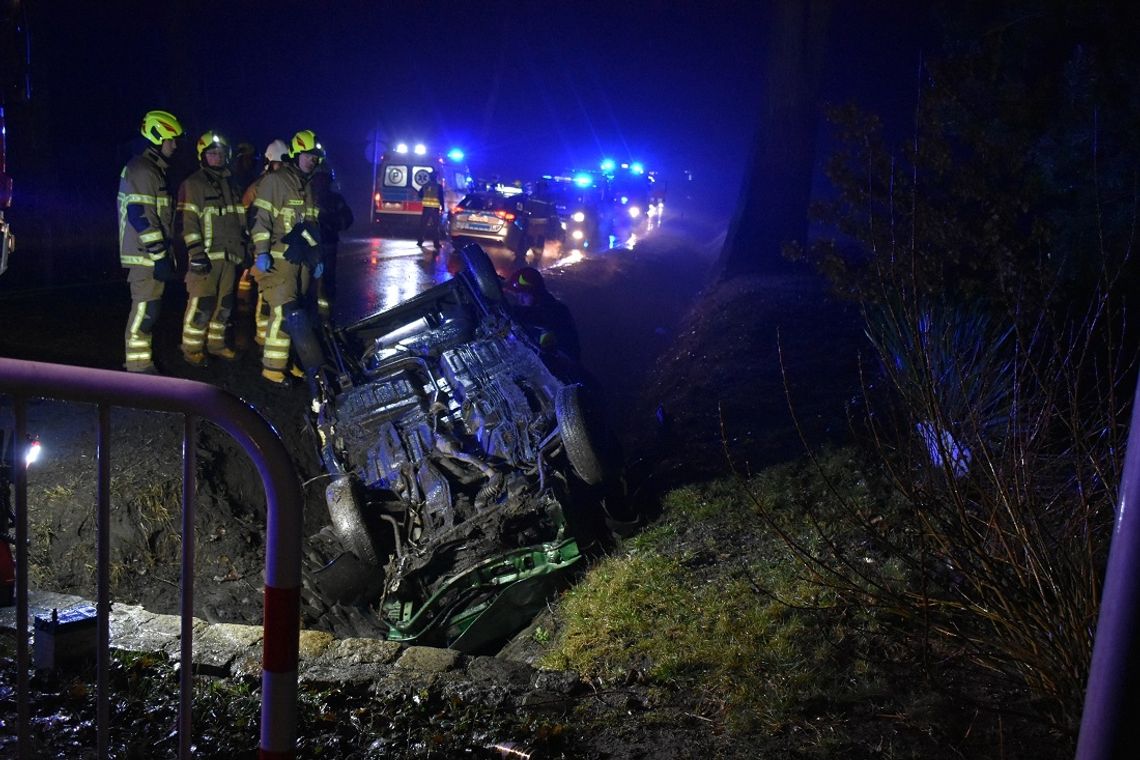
pixel 630 195
pixel 399 175
pixel 7 242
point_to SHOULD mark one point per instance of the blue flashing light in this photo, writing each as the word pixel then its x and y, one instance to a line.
pixel 583 180
pixel 608 165
pixel 636 168
pixel 455 154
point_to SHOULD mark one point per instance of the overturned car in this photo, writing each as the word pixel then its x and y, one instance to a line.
pixel 468 476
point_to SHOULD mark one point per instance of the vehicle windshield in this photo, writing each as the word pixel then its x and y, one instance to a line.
pixel 565 195
pixel 484 202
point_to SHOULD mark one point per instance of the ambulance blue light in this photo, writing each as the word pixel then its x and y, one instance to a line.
pixel 608 165
pixel 636 168
pixel 583 180
pixel 455 154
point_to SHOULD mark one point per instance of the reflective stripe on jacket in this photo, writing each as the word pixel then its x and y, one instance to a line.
pixel 146 229
pixel 432 195
pixel 284 198
pixel 211 215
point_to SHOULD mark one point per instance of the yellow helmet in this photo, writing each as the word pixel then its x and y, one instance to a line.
pixel 209 140
pixel 160 125
pixel 305 141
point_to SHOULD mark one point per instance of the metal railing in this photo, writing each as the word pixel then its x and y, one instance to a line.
pixel 1108 728
pixel 23 380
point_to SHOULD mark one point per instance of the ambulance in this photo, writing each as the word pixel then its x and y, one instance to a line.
pixel 401 172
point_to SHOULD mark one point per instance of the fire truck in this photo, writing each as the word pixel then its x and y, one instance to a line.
pixel 400 173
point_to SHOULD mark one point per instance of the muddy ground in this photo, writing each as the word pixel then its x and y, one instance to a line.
pixel 694 373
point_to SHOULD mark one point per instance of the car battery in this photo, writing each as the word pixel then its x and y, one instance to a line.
pixel 67 636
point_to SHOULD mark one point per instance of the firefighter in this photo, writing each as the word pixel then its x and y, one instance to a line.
pixel 431 194
pixel 146 231
pixel 213 227
pixel 286 242
pixel 546 318
pixel 335 218
pixel 275 154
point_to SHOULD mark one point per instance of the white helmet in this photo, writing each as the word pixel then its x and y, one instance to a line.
pixel 276 151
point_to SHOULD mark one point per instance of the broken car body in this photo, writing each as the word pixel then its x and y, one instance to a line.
pixel 464 470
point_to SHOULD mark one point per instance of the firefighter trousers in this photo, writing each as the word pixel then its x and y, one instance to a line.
pixel 146 302
pixel 208 307
pixel 285 284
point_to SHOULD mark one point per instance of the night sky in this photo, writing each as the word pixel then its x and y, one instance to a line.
pixel 523 88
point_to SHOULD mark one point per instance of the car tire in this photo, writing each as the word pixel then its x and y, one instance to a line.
pixel 583 435
pixel 353 529
pixel 482 272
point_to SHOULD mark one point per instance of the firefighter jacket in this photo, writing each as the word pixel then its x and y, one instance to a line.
pixel 284 200
pixel 211 216
pixel 146 216
pixel 432 195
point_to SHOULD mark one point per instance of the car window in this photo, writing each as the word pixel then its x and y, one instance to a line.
pixel 487 203
pixel 395 175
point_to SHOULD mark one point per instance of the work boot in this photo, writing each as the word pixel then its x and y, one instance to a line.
pixel 225 353
pixel 195 358
pixel 276 377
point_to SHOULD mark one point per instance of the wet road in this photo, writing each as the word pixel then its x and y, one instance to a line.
pixel 375 273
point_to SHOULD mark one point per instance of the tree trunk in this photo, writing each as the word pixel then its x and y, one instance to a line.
pixel 773 206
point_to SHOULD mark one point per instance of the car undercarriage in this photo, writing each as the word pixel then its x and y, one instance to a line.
pixel 465 472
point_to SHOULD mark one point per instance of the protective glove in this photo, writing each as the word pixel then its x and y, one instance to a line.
pixel 264 262
pixel 164 270
pixel 200 266
pixel 318 270
pixel 300 241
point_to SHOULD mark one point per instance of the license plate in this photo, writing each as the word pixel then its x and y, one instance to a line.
pixel 476 226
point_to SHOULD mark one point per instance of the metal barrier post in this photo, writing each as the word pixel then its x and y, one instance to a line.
pixel 1107 730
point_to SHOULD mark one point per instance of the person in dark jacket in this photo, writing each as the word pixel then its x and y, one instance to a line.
pixel 545 318
pixel 335 217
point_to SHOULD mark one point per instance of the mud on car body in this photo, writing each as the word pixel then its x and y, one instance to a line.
pixel 465 474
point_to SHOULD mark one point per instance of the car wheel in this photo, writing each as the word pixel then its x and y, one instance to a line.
pixel 583 435
pixel 353 529
pixel 478 265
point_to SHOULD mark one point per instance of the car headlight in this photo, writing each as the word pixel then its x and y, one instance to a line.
pixel 577 234
pixel 635 211
pixel 578 216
